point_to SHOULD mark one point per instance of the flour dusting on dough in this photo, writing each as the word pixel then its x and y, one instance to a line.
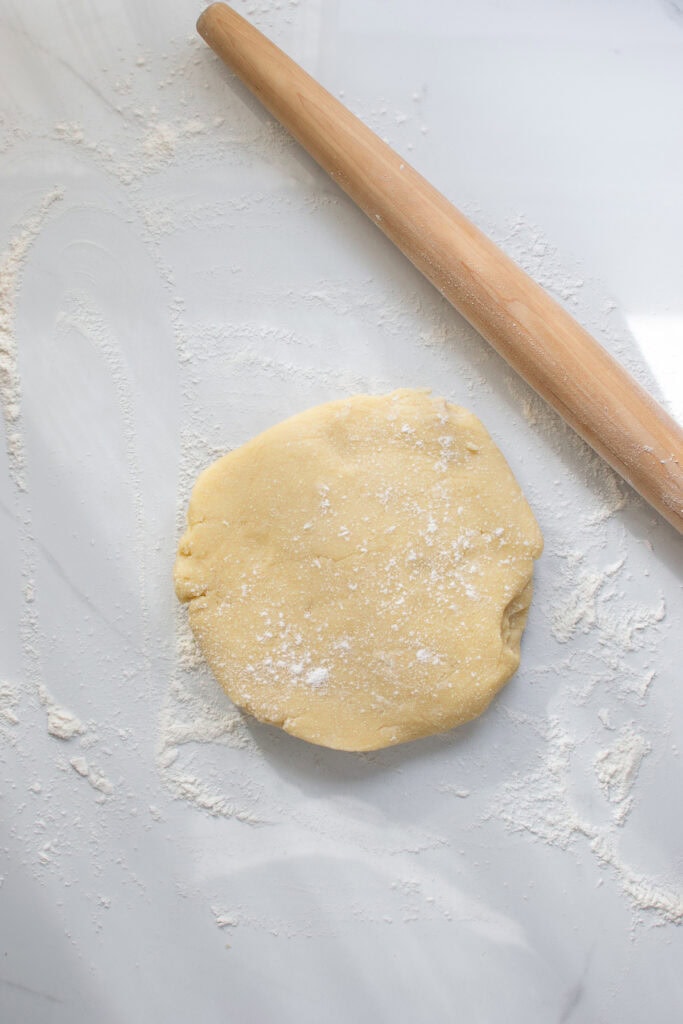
pixel 9 703
pixel 611 641
pixel 586 610
pixel 197 712
pixel 422 570
pixel 617 767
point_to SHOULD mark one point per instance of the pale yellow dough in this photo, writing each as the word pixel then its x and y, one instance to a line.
pixel 360 574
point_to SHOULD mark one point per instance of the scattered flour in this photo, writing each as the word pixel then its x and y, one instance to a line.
pixel 163 139
pixel 11 266
pixel 540 804
pixel 82 314
pixel 316 677
pixel 60 722
pixel 185 786
pixel 188 652
pixel 611 641
pixel 610 492
pixel 80 765
pixel 225 919
pixel 644 893
pixel 588 597
pixel 195 717
pixel 458 791
pixel 613 500
pixel 96 778
pixel 617 768
pixel 537 803
pixel 578 609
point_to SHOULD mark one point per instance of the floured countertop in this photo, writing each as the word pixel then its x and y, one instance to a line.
pixel 176 276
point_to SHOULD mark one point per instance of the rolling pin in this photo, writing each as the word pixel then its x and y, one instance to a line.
pixel 537 337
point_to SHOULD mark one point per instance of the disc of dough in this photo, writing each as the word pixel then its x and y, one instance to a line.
pixel 360 574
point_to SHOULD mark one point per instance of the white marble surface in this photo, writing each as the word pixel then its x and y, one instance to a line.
pixel 178 275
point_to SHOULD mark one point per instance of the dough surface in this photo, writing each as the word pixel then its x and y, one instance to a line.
pixel 360 574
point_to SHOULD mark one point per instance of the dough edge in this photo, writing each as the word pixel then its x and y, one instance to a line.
pixel 512 623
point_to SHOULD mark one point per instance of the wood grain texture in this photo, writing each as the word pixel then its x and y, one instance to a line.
pixel 536 336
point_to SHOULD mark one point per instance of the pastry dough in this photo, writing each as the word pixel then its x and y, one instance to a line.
pixel 360 574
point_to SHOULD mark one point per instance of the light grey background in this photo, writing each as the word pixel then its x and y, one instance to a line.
pixel 197 280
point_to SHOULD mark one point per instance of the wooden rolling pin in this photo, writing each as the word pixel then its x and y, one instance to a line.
pixel 537 337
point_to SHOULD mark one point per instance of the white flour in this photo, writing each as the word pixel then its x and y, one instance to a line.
pixel 60 723
pixel 609 643
pixel 82 315
pixel 11 265
pixel 644 893
pixel 94 776
pixel 224 918
pixel 9 719
pixel 618 637
pixel 541 805
pixel 617 769
pixel 197 712
pixel 8 702
pixel 603 676
pixel 589 605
